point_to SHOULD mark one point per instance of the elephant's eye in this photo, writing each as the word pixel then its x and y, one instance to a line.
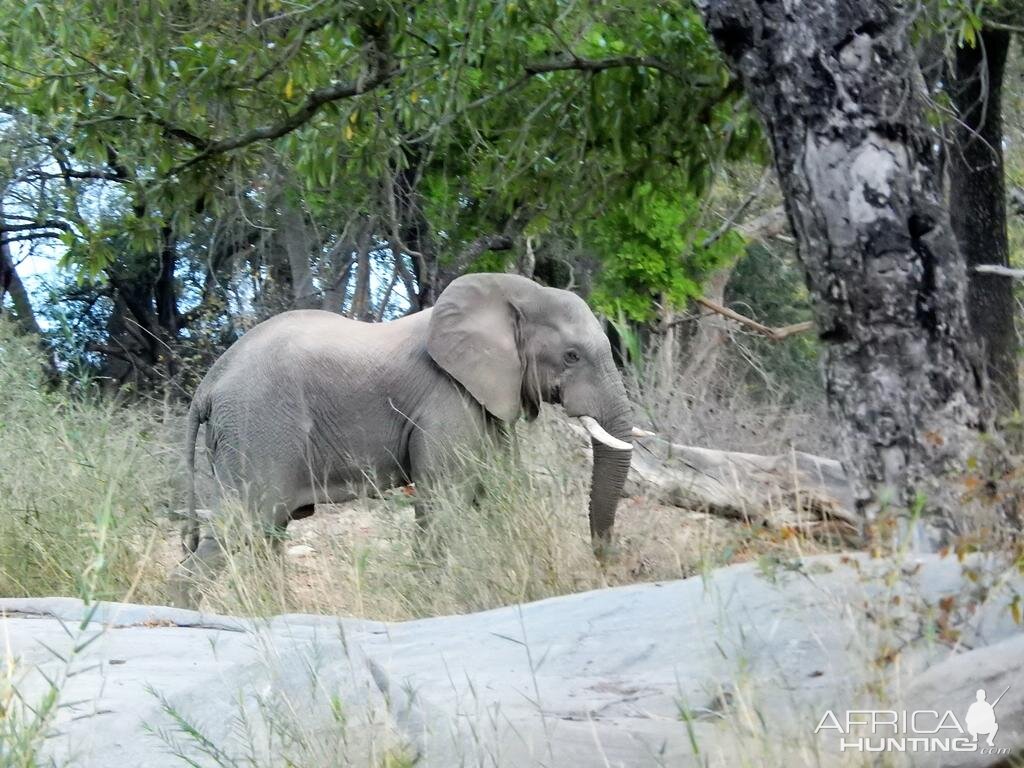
pixel 571 357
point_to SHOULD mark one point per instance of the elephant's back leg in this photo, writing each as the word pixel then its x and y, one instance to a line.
pixel 258 460
pixel 203 563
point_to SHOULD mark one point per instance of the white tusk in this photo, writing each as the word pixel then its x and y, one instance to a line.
pixel 598 433
pixel 637 432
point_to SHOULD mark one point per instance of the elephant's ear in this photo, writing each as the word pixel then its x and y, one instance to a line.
pixel 474 337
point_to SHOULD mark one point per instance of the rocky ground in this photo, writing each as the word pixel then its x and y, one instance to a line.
pixel 736 667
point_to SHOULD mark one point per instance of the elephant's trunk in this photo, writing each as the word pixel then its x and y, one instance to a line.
pixel 611 465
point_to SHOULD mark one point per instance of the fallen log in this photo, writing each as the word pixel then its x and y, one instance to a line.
pixel 793 488
pixel 785 489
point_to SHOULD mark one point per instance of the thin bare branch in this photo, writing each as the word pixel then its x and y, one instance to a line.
pixel 775 334
pixel 999 270
pixel 770 224
pixel 574 62
pixel 730 221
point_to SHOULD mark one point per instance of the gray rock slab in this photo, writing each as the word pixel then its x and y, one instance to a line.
pixel 951 685
pixel 136 679
pixel 737 667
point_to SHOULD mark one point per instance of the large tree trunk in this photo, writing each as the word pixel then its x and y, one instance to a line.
pixel 135 341
pixel 410 225
pixel 977 205
pixel 165 293
pixel 839 91
pixel 165 297
pixel 335 276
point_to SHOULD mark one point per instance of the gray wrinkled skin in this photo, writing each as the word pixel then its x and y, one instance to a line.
pixel 309 405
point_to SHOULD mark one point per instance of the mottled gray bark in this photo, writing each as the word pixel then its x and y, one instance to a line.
pixel 977 205
pixel 839 91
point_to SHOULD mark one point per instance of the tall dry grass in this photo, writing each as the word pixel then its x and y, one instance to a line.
pixel 77 470
pixel 72 460
pixel 71 457
pixel 526 538
pixel 87 484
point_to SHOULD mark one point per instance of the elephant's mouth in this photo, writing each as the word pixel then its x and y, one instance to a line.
pixel 555 396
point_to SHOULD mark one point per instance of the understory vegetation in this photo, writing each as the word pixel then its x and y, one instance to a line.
pixel 102 483
pixel 91 515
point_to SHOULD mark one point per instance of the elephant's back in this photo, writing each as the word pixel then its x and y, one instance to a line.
pixel 305 371
pixel 313 338
pixel 291 334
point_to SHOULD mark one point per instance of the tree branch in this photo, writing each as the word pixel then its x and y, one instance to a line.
pixel 99 175
pixel 730 221
pixel 479 246
pixel 175 131
pixel 775 334
pixel 117 173
pixel 44 224
pixel 10 283
pixel 999 270
pixel 574 62
pixel 1017 200
pixel 771 223
pixel 382 307
pixel 1004 27
pixel 314 101
pixel 292 49
pixel 30 236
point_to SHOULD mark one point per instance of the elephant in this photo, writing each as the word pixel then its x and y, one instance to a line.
pixel 309 403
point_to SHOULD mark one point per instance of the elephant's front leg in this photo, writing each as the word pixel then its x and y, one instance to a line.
pixel 507 437
pixel 445 466
pixel 430 538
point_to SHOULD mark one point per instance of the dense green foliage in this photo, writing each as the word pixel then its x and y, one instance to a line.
pixel 197 166
pixel 653 243
pixel 165 148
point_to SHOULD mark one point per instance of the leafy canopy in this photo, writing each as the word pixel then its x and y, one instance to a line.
pixel 596 122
